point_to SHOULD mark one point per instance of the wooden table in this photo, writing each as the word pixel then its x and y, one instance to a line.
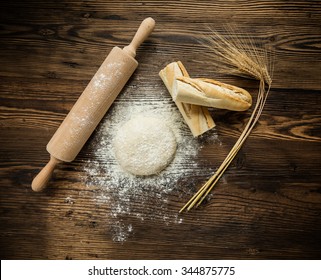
pixel 268 204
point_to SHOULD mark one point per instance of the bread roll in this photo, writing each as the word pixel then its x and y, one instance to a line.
pixel 211 93
pixel 196 117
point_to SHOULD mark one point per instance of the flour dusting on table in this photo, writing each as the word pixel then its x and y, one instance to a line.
pixel 143 198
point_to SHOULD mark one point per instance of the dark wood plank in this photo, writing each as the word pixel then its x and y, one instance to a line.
pixel 266 206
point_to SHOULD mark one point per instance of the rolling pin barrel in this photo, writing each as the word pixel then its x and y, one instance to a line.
pixel 93 104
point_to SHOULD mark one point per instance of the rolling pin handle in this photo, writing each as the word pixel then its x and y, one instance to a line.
pixel 144 30
pixel 40 182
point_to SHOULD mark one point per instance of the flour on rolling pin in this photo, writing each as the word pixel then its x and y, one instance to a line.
pixel 93 104
pixel 100 83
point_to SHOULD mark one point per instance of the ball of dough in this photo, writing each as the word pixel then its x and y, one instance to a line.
pixel 144 146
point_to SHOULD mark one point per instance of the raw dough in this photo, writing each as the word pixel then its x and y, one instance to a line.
pixel 144 145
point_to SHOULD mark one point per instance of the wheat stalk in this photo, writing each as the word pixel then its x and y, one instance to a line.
pixel 237 57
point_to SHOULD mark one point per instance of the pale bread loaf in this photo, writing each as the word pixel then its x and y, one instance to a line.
pixel 196 117
pixel 211 93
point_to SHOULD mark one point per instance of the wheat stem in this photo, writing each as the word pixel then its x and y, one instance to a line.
pixel 234 55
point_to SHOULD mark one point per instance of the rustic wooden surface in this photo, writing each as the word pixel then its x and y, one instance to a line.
pixel 268 206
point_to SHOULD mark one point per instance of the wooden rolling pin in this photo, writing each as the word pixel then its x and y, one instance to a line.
pixel 92 105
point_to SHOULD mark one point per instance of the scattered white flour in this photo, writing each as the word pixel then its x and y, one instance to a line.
pixel 147 198
pixel 144 145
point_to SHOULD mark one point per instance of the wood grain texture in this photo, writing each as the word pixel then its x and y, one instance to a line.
pixel 268 204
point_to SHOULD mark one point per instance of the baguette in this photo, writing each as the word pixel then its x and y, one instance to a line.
pixel 211 93
pixel 196 117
